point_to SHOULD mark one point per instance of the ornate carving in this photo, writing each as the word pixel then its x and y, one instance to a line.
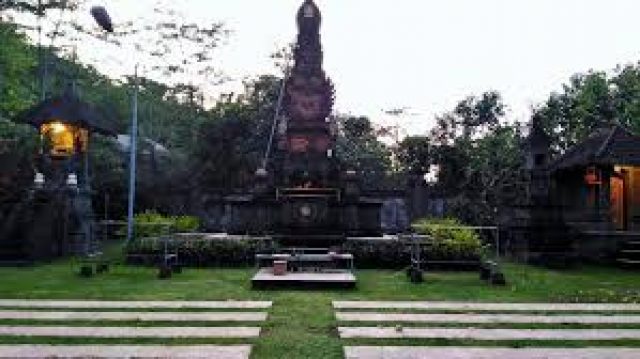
pixel 310 94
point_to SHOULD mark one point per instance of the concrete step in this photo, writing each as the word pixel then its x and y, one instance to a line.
pixel 485 318
pixel 129 332
pixel 266 279
pixel 488 334
pixel 126 351
pixel 489 353
pixel 135 316
pixel 479 306
pixel 629 263
pixel 85 304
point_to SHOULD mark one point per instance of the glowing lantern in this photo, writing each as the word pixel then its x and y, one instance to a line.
pixel 65 140
pixel 592 176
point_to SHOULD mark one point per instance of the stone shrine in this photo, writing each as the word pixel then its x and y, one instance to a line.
pixel 303 198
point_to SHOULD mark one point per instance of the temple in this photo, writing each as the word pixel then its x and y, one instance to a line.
pixel 580 206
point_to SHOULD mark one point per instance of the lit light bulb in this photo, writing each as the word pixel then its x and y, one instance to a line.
pixel 58 127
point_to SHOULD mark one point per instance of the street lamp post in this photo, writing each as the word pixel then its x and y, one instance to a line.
pixel 132 157
pixel 103 19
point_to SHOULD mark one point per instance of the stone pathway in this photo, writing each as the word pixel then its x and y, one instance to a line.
pixel 130 332
pixel 136 316
pixel 488 353
pixel 151 312
pixel 120 351
pixel 468 306
pixel 485 318
pixel 487 334
pixel 388 325
pixel 94 304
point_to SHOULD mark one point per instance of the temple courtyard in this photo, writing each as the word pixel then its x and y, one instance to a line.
pixel 587 312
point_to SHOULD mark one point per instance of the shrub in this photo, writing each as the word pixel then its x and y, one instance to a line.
pixel 449 242
pixel 201 250
pixel 154 224
pixel 186 224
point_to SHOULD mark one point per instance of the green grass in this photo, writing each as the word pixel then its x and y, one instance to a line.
pixel 301 323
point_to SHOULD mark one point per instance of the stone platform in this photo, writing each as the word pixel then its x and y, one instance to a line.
pixel 489 353
pixel 265 279
pixel 125 351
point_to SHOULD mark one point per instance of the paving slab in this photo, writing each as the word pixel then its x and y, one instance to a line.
pixel 137 316
pixel 122 351
pixel 488 334
pixel 489 353
pixel 130 332
pixel 486 318
pixel 587 307
pixel 151 304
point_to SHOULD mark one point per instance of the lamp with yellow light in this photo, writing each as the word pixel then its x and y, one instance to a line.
pixel 65 140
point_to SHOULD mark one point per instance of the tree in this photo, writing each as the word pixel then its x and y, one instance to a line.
pixel 589 101
pixel 625 96
pixel 415 155
pixel 359 149
pixel 17 67
pixel 478 155
pixel 233 139
pixel 175 51
pixel 36 7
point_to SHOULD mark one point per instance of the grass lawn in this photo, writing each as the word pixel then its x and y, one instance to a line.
pixel 301 324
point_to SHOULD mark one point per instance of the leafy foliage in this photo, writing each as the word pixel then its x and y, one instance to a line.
pixel 358 148
pixel 233 139
pixel 591 100
pixel 479 157
pixel 206 251
pixel 449 238
pixel 415 155
pixel 34 6
pixel 153 224
pixel 198 251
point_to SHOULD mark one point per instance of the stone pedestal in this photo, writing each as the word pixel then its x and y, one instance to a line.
pixel 279 268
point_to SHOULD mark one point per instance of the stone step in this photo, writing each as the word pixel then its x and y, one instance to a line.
pixel 629 262
pixel 489 353
pixel 486 318
pixel 92 304
pixel 338 279
pixel 125 351
pixel 472 306
pixel 136 316
pixel 130 332
pixel 489 334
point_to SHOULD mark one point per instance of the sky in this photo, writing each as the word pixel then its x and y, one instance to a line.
pixel 423 55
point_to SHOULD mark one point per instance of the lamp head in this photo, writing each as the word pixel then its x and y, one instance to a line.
pixel 101 16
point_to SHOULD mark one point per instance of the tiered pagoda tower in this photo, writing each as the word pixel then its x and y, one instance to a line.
pixel 307 141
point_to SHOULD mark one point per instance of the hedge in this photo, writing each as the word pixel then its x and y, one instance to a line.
pixel 232 251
